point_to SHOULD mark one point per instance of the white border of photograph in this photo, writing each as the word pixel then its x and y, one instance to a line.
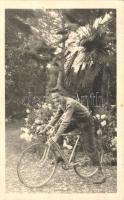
pixel 42 4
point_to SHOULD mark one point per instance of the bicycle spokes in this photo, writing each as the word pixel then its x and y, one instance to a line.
pixel 36 170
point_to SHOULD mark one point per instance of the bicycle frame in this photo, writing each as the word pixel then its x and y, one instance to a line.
pixel 73 161
pixel 68 162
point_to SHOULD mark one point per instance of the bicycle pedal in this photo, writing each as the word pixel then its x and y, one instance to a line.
pixel 53 162
pixel 59 159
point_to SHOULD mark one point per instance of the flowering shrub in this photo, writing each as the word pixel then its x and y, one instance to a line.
pixel 106 127
pixel 37 118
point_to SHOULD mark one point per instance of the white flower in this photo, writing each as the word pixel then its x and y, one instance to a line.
pixel 38 105
pixel 44 106
pixel 103 116
pixel 99 131
pixel 38 128
pixel 26 119
pixel 50 106
pixel 98 116
pixel 37 121
pixel 25 130
pixel 114 141
pixel 30 137
pixel 22 129
pixel 51 131
pixel 22 136
pixel 32 127
pixel 51 118
pixel 27 111
pixel 114 149
pixel 103 123
pixel 35 30
pixel 27 137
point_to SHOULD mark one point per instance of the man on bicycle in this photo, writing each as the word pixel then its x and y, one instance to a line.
pixel 72 109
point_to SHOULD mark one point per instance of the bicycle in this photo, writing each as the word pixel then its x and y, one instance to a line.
pixel 38 162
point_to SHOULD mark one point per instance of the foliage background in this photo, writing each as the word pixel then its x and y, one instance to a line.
pixel 73 49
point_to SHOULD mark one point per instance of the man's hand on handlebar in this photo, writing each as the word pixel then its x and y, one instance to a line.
pixel 41 132
pixel 49 130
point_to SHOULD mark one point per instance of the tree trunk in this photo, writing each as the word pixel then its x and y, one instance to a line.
pixel 60 79
pixel 108 87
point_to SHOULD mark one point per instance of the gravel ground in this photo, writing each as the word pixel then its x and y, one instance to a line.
pixel 62 182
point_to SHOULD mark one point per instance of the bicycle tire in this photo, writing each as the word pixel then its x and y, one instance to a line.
pixel 32 171
pixel 85 168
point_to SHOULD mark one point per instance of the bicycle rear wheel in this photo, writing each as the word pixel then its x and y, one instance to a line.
pixel 34 169
pixel 84 167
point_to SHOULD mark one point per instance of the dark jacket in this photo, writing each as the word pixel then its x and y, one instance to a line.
pixel 71 109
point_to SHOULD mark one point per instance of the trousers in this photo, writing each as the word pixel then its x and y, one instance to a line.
pixel 87 128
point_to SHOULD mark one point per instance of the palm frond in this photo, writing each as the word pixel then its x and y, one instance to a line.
pixel 98 44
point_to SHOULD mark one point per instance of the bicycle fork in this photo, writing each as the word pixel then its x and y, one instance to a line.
pixel 72 153
pixel 45 155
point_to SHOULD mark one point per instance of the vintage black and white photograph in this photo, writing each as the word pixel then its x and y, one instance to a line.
pixel 60 100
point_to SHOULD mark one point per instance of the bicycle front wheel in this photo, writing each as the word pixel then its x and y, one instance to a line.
pixel 34 169
pixel 84 167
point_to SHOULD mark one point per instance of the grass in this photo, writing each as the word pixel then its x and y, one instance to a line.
pixel 62 182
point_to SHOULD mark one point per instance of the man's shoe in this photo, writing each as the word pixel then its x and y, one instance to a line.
pixel 100 180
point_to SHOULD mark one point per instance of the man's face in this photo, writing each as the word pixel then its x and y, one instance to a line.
pixel 56 97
